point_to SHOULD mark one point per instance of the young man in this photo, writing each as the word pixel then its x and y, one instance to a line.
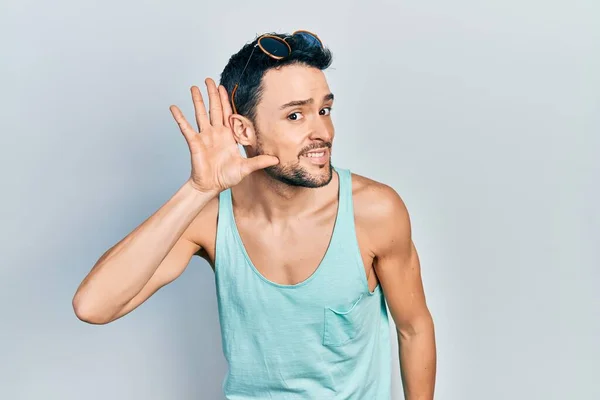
pixel 305 254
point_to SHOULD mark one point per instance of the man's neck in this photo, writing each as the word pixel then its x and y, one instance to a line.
pixel 261 195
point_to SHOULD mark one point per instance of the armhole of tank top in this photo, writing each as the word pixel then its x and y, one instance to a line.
pixel 349 199
pixel 222 217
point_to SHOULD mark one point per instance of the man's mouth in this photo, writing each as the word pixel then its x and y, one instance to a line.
pixel 317 156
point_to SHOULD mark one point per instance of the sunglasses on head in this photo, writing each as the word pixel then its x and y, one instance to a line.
pixel 276 48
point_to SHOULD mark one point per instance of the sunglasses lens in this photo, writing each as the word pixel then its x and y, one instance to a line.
pixel 309 38
pixel 274 47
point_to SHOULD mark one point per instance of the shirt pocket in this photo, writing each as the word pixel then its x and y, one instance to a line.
pixel 343 324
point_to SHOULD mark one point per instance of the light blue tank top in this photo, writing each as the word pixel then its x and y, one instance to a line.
pixel 324 338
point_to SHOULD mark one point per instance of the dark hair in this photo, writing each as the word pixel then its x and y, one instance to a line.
pixel 250 88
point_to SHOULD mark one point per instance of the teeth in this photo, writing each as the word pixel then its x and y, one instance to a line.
pixel 313 155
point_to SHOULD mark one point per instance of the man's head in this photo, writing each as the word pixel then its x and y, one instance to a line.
pixel 283 109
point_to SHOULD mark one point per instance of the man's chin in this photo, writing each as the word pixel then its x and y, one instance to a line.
pixel 311 176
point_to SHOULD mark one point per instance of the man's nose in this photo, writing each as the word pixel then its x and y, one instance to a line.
pixel 322 130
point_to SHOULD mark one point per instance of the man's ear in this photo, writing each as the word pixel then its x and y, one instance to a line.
pixel 243 130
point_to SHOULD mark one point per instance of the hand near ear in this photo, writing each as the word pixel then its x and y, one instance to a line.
pixel 216 161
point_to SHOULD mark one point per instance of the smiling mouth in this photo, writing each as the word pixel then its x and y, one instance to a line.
pixel 317 156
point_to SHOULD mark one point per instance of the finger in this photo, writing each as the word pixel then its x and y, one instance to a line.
pixel 226 104
pixel 216 113
pixel 199 109
pixel 255 163
pixel 186 129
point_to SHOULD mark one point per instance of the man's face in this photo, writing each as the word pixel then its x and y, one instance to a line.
pixel 293 122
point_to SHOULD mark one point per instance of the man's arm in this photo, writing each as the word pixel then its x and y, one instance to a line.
pixel 159 249
pixel 151 256
pixel 398 270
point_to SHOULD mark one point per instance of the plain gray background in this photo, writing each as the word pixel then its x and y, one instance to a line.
pixel 484 116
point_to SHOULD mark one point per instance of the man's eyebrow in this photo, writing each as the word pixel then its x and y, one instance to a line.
pixel 297 103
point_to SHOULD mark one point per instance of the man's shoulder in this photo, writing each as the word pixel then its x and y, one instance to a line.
pixel 374 197
pixel 377 206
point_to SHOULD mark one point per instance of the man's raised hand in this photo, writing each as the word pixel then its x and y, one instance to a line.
pixel 216 161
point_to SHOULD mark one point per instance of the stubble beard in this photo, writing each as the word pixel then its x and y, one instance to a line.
pixel 293 174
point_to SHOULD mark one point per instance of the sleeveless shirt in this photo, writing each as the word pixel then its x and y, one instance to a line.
pixel 326 337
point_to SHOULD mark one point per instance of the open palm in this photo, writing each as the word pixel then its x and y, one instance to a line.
pixel 216 161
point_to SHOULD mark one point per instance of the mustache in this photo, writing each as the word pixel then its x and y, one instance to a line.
pixel 316 146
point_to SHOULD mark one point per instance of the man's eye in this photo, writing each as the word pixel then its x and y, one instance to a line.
pixel 325 111
pixel 294 116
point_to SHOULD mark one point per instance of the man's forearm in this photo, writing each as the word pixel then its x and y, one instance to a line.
pixel 124 269
pixel 418 362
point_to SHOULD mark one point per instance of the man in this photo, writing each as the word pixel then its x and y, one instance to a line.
pixel 305 254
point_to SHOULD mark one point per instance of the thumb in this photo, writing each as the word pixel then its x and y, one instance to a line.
pixel 255 163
